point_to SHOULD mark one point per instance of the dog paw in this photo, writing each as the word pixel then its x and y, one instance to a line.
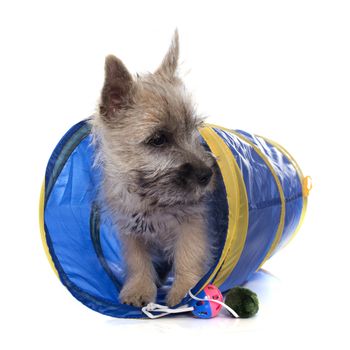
pixel 138 293
pixel 175 296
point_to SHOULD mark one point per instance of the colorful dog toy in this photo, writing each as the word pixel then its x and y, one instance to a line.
pixel 244 301
pixel 256 208
pixel 239 302
pixel 209 309
pixel 207 304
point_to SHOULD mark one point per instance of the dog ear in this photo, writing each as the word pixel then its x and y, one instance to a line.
pixel 169 64
pixel 117 90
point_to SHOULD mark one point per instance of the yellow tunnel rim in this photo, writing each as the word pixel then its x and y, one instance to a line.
pixel 238 215
pixel 280 228
pixel 302 180
pixel 42 228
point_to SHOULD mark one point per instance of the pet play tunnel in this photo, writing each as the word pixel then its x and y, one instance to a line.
pixel 257 207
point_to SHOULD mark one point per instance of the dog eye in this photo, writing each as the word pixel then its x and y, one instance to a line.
pixel 158 140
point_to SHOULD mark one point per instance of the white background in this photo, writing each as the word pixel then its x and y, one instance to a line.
pixel 276 68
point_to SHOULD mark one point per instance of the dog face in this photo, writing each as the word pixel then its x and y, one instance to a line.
pixel 149 131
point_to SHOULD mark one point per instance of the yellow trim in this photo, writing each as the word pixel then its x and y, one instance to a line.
pixel 42 227
pixel 237 205
pixel 280 227
pixel 302 181
pixel 307 186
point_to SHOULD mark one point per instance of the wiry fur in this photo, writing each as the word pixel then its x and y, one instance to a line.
pixel 155 193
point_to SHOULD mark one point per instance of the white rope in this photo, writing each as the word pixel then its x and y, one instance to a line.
pixel 163 310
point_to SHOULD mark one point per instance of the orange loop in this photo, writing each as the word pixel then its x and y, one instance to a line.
pixel 307 185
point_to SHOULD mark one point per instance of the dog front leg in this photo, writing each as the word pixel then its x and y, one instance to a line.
pixel 189 259
pixel 140 287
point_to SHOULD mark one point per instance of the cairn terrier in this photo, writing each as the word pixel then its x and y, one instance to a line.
pixel 156 175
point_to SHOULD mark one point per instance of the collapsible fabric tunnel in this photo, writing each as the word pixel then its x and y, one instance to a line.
pixel 257 207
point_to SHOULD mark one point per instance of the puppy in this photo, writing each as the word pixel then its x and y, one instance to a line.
pixel 156 175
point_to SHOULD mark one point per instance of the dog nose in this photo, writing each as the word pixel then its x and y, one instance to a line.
pixel 204 175
pixel 185 172
pixel 201 174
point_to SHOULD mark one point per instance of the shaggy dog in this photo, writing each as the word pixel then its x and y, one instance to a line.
pixel 156 175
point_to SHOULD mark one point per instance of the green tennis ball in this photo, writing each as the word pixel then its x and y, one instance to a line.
pixel 243 301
